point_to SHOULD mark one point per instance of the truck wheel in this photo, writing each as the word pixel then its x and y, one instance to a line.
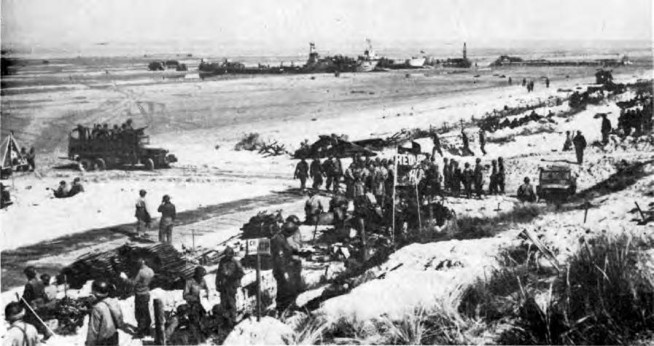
pixel 100 165
pixel 85 165
pixel 149 164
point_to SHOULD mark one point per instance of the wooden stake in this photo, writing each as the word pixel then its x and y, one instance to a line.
pixel 393 202
pixel 193 238
pixel 586 211
pixel 159 323
pixel 258 287
pixel 418 203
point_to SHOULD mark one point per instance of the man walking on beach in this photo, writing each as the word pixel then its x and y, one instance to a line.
pixel 302 173
pixel 142 214
pixel 168 215
pixel 316 173
pixel 580 144
pixel 437 145
pixel 482 141
pixel 567 145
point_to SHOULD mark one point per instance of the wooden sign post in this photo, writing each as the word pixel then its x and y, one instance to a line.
pixel 258 247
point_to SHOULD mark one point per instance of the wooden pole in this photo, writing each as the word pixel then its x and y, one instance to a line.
pixel 258 287
pixel 34 312
pixel 193 239
pixel 159 323
pixel 585 211
pixel 418 203
pixel 393 202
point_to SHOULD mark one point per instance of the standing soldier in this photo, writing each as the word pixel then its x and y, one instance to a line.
pixel 510 81
pixel 479 178
pixel 316 173
pixel 192 291
pixel 468 178
pixel 492 187
pixel 606 129
pixel 500 174
pixel 302 172
pixel 228 280
pixel 437 145
pixel 379 176
pixel 524 81
pixel 457 178
pixel 580 144
pixel 31 159
pixel 567 145
pixel 168 215
pixel 547 82
pixel 329 171
pixel 287 266
pixel 141 284
pixel 446 174
pixel 348 177
pixel 34 296
pixel 142 215
pixel 466 142
pixel 482 141
pixel 338 173
pixel 313 208
pixel 19 333
pixel 105 318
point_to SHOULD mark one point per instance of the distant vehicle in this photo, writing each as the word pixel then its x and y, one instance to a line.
pixel 114 150
pixel 556 183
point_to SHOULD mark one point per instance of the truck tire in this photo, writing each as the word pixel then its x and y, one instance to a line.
pixel 85 165
pixel 100 164
pixel 149 165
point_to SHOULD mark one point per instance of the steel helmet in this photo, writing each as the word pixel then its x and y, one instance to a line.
pixel 100 288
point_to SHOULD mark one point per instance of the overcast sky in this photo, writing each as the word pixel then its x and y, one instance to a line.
pixel 47 22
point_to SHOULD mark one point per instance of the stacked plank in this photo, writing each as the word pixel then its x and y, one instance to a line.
pixel 170 268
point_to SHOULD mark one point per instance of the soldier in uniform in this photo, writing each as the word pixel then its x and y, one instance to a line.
pixel 446 174
pixel 501 174
pixel 329 170
pixel 482 141
pixel 228 280
pixel 468 178
pixel 313 208
pixel 168 215
pixel 19 333
pixel 287 265
pixel 142 214
pixel 479 178
pixel 316 173
pixel 105 318
pixel 580 145
pixel 302 173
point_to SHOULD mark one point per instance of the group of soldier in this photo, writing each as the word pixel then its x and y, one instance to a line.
pixel 104 131
pixel 106 318
pixel 376 176
pixel 637 119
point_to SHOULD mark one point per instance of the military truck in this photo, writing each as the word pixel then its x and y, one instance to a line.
pixel 108 150
pixel 556 184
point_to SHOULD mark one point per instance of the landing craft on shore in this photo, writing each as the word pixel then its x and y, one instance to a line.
pixel 368 61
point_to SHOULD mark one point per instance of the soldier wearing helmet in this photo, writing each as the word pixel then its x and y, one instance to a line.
pixel 479 178
pixel 228 280
pixel 105 318
pixel 287 265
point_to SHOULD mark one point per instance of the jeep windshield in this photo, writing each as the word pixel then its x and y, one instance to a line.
pixel 555 177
